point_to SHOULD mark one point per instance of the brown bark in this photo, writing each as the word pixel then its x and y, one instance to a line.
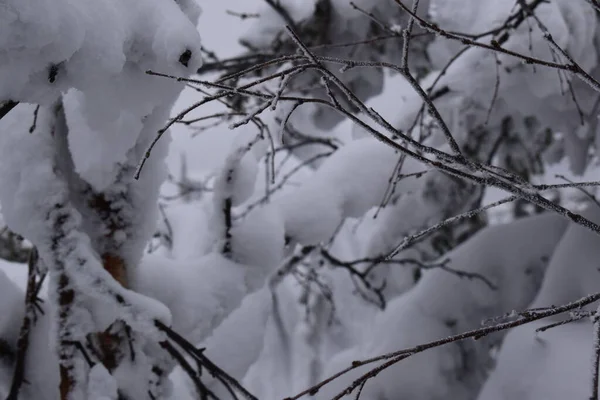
pixel 116 268
pixel 109 342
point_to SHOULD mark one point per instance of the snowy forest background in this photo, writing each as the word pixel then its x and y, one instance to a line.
pixel 290 199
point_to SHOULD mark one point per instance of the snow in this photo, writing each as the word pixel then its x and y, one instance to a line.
pixel 201 293
pixel 50 46
pixel 280 350
pixel 333 197
pixel 238 177
pixel 252 315
pixel 107 113
pixel 270 22
pixel 557 361
pixel 259 239
pixel 101 385
pixel 30 204
pixel 442 304
pixel 41 360
pixel 558 290
pixel 12 310
pixel 217 298
pixel 16 273
pixel 98 151
pixel 523 88
pixel 186 221
pixel 552 365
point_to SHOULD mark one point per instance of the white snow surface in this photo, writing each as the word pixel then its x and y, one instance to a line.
pixel 101 384
pixel 85 63
pixel 202 292
pixel 36 35
pixel 269 23
pixel 113 109
pixel 564 352
pixel 527 90
pixel 53 47
pixel 350 182
pixel 442 304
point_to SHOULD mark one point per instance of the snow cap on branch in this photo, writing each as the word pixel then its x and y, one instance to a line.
pixel 49 46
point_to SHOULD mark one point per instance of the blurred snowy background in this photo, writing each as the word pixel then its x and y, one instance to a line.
pixel 324 314
pixel 206 150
